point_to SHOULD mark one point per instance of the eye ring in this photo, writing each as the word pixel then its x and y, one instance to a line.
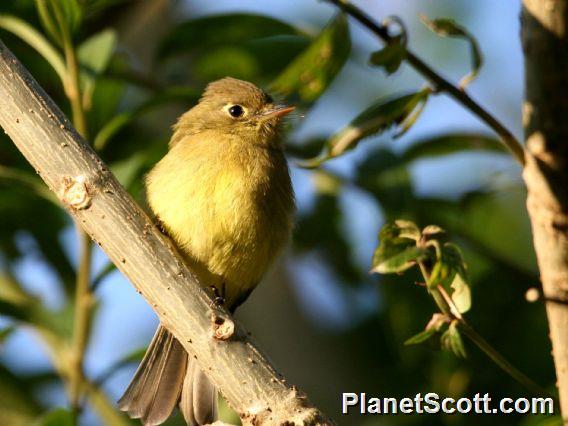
pixel 236 111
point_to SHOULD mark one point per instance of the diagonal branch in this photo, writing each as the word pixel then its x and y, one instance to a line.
pixel 93 196
pixel 439 82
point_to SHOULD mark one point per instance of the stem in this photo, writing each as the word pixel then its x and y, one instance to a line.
pixel 81 323
pixel 447 307
pixel 83 295
pixel 439 82
pixel 500 360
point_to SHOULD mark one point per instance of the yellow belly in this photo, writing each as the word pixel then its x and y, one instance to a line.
pixel 229 210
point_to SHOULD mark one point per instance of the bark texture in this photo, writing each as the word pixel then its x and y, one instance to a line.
pixel 545 116
pixel 93 196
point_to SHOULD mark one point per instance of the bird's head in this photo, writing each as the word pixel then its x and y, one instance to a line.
pixel 236 107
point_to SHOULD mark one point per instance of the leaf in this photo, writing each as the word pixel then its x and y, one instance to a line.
pixel 407 229
pixel 36 40
pixel 461 295
pixel 47 20
pixel 397 249
pixel 71 11
pixel 31 182
pixel 383 175
pixel 449 28
pixel 432 230
pixel 221 30
pixel 94 56
pixel 376 119
pixel 435 325
pixel 451 340
pixel 451 144
pixel 449 271
pixel 6 332
pixel 321 231
pixel 129 169
pixel 314 69
pixel 388 263
pixel 59 18
pixel 185 94
pixel 57 417
pixel 204 49
pixel 459 286
pixel 389 57
pixel 420 337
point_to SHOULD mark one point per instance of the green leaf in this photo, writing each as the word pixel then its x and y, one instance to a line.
pixel 60 18
pixel 420 337
pixel 451 340
pixel 57 417
pixel 432 230
pixel 449 28
pixel 451 144
pixel 46 17
pixel 389 57
pixel 397 249
pixel 449 271
pixel 387 179
pixel 395 262
pixel 185 94
pixel 205 48
pixel 6 332
pixel 36 40
pixel 72 13
pixel 435 325
pixel 129 169
pixel 459 287
pixel 461 295
pixel 31 182
pixel 221 30
pixel 321 230
pixel 376 119
pixel 307 77
pixel 94 56
pixel 407 229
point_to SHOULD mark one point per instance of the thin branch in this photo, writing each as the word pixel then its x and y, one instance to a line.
pixel 97 201
pixel 439 82
pixel 447 307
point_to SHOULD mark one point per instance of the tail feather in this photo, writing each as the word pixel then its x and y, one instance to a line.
pixel 155 389
pixel 198 402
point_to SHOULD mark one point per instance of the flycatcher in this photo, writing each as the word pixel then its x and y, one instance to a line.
pixel 223 194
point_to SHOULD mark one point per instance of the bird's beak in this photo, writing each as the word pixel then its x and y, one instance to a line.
pixel 278 111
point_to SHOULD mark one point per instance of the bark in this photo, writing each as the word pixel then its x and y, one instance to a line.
pixel 545 116
pixel 93 196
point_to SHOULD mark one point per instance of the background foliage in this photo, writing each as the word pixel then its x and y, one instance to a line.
pixel 324 319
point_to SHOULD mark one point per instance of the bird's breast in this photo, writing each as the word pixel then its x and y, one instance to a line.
pixel 229 210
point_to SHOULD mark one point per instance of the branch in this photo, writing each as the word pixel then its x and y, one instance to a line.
pixel 545 44
pixel 447 307
pixel 93 196
pixel 439 82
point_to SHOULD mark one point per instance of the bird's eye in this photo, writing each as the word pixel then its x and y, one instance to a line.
pixel 236 111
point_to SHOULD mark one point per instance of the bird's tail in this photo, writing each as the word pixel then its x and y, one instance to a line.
pixel 167 376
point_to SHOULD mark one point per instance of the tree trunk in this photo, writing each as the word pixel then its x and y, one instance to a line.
pixel 545 117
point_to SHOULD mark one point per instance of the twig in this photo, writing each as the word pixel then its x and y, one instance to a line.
pixel 439 82
pixel 447 307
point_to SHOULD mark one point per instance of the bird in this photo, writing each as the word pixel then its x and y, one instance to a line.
pixel 224 196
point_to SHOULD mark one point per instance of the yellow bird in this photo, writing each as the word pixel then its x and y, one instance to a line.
pixel 223 194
